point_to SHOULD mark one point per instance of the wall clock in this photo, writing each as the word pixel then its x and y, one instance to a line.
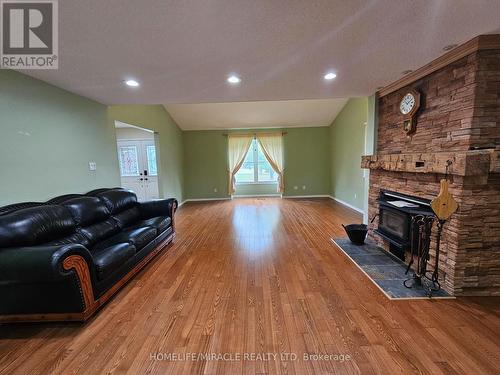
pixel 409 105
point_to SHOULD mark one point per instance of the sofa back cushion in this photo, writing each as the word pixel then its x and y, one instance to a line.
pixel 93 218
pixel 63 198
pixel 35 225
pixel 122 204
pixel 19 206
pixel 87 210
pixel 118 200
pixel 95 192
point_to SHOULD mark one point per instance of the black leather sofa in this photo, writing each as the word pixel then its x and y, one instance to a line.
pixel 63 259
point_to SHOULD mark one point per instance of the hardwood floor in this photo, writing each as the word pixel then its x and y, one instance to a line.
pixel 260 276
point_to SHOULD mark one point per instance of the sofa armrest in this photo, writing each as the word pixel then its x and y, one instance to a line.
pixel 46 279
pixel 40 263
pixel 159 207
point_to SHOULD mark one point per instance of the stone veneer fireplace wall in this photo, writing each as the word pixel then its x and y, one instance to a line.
pixel 460 113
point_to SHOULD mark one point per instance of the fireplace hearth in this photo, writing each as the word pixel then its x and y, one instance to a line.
pixel 396 213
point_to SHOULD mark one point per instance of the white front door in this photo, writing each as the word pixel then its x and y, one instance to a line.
pixel 138 168
pixel 150 170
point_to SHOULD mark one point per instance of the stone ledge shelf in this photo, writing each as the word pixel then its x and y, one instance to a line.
pixel 464 163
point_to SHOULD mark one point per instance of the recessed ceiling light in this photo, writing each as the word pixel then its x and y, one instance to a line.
pixel 132 83
pixel 449 47
pixel 329 76
pixel 233 79
pixel 405 72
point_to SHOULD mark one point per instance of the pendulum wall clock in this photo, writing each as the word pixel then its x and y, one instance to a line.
pixel 408 107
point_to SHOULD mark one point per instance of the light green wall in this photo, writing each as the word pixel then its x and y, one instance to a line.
pixel 132 133
pixel 372 125
pixel 205 164
pixel 256 189
pixel 48 137
pixel 155 117
pixel 347 134
pixel 307 161
pixel 306 153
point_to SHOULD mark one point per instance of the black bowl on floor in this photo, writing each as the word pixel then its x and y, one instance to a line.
pixel 356 233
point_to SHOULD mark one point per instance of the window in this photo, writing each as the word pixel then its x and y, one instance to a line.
pixel 151 156
pixel 129 161
pixel 255 168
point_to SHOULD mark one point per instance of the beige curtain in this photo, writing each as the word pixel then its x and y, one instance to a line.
pixel 238 146
pixel 272 147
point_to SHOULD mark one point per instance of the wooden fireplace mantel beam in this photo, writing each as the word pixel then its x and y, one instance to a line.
pixel 495 162
pixel 463 163
pixel 481 42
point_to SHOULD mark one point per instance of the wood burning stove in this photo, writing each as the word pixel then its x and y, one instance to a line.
pixel 396 211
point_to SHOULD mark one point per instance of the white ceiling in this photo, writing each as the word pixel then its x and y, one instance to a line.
pixel 247 115
pixel 182 51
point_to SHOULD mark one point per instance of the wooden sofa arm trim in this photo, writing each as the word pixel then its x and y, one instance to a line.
pixel 81 268
pixel 174 208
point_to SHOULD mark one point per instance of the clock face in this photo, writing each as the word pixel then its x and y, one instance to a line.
pixel 407 104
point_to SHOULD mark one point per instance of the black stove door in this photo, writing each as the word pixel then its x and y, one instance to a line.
pixel 394 223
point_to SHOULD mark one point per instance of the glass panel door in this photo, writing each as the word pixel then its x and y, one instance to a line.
pixel 129 160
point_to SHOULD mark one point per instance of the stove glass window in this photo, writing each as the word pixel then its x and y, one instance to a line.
pixel 393 222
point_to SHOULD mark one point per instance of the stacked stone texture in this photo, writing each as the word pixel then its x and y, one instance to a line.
pixel 460 111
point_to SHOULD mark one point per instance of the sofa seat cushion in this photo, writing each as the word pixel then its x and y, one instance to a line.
pixel 127 217
pixel 76 238
pixel 139 237
pixel 99 232
pixel 160 223
pixel 109 259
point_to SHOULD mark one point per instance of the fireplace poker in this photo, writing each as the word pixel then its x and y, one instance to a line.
pixel 421 233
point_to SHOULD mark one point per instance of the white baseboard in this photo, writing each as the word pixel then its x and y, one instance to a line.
pixel 347 205
pixel 258 196
pixel 204 199
pixel 306 196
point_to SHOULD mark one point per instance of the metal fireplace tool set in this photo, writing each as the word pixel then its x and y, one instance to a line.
pixel 443 206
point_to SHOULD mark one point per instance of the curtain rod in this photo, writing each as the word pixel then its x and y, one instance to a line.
pixel 253 134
